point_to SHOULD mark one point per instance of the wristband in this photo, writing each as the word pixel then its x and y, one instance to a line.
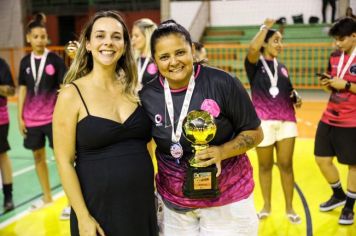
pixel 347 85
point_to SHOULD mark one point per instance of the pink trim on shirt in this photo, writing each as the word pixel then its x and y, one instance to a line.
pixel 180 89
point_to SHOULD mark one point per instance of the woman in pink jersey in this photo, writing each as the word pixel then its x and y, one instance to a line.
pixel 336 133
pixel 6 89
pixel 141 36
pixel 271 90
pixel 183 86
pixel 40 76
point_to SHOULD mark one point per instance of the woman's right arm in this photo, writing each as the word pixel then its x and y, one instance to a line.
pixel 65 119
pixel 20 104
pixel 253 53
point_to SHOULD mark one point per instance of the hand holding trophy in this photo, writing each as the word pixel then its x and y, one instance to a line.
pixel 201 182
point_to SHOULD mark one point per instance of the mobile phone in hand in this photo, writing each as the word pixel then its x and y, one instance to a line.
pixel 295 96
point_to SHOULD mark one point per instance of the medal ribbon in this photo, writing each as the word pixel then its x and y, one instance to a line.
pixel 168 97
pixel 272 78
pixel 141 70
pixel 37 77
pixel 341 61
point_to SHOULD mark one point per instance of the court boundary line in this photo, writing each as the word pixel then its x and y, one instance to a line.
pixel 308 219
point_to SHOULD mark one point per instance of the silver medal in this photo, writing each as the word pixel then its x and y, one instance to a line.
pixel 274 91
pixel 176 150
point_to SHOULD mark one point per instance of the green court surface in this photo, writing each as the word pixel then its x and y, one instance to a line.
pixel 25 182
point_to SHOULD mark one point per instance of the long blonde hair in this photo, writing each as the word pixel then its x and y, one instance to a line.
pixel 83 60
pixel 146 26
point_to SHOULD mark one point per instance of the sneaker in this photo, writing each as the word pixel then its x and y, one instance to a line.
pixel 8 205
pixel 346 217
pixel 38 204
pixel 65 215
pixel 332 203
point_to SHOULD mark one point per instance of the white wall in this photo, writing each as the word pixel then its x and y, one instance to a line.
pixel 11 24
pixel 251 12
pixel 184 12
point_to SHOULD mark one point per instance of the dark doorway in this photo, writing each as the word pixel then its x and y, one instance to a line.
pixel 66 25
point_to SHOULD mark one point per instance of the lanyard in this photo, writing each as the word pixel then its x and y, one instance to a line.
pixel 340 74
pixel 141 70
pixel 168 97
pixel 272 78
pixel 37 77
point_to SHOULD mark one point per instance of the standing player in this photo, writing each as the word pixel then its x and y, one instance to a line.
pixel 273 96
pixel 6 89
pixel 141 36
pixel 181 87
pixel 40 76
pixel 336 133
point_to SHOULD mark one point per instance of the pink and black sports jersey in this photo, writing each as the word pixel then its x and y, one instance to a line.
pixel 151 71
pixel 269 108
pixel 5 79
pixel 341 108
pixel 226 99
pixel 38 108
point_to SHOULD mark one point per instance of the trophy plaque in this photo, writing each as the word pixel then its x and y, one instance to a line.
pixel 200 182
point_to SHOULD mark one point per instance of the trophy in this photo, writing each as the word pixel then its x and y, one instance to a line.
pixel 71 49
pixel 200 182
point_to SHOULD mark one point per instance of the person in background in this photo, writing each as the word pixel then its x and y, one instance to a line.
pixel 6 89
pixel 349 13
pixel 200 53
pixel 274 98
pixel 179 82
pixel 333 9
pixel 336 132
pixel 40 76
pixel 101 134
pixel 141 36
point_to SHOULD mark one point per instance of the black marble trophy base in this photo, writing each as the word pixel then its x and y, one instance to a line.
pixel 201 183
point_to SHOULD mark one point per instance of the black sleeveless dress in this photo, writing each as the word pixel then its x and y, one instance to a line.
pixel 116 174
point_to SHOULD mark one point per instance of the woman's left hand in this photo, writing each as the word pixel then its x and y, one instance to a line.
pixel 297 100
pixel 207 157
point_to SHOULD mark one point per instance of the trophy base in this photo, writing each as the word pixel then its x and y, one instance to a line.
pixel 201 183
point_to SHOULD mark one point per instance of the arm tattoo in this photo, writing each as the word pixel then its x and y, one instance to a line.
pixel 244 141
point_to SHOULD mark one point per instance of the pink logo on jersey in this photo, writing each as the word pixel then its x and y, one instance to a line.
pixel 158 119
pixel 28 70
pixel 50 69
pixel 152 69
pixel 284 72
pixel 210 106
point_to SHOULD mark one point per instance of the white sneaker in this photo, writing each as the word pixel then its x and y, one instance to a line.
pixel 38 204
pixel 65 215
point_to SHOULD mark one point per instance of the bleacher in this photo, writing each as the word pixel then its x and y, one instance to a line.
pixel 296 33
pixel 306 50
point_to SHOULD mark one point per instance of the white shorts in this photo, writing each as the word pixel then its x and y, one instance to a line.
pixel 276 130
pixel 235 219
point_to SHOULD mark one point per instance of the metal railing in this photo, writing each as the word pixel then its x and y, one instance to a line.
pixel 302 60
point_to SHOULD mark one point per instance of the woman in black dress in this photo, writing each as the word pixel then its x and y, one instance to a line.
pixel 100 127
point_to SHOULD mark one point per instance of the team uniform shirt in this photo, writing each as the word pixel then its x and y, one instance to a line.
pixel 269 108
pixel 38 107
pixel 5 79
pixel 225 98
pixel 150 70
pixel 341 108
